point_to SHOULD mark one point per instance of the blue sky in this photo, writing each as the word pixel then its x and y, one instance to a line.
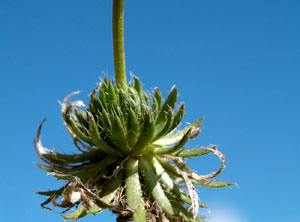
pixel 235 62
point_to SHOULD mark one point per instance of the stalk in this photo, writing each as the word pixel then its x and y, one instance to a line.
pixel 118 42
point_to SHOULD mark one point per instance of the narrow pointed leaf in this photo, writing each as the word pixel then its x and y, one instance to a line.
pixel 105 120
pixel 119 135
pixel 155 107
pixel 112 94
pixel 146 135
pixel 95 105
pixel 76 214
pixel 166 179
pixel 79 132
pixel 175 137
pixel 146 98
pixel 112 185
pixel 192 152
pixel 175 148
pixel 212 183
pixel 102 97
pixel 51 192
pixel 182 211
pixel 154 186
pixel 82 117
pixel 178 116
pixel 133 128
pixel 75 158
pixel 133 187
pixel 170 168
pixel 43 167
pixel 95 135
pixel 168 104
pixel 108 193
pixel 158 98
pixel 138 86
pixel 163 130
pixel 135 101
pixel 97 167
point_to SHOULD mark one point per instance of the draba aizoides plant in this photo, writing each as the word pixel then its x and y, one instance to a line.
pixel 131 156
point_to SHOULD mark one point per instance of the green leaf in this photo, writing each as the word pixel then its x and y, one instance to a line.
pixel 95 105
pixel 43 167
pixel 158 98
pixel 124 101
pixel 143 97
pixel 175 148
pixel 95 168
pixel 112 186
pixel 146 135
pixel 175 137
pixel 112 94
pixel 168 182
pixel 65 159
pixel 192 152
pixel 138 86
pixel 119 135
pixel 154 186
pixel 102 97
pixel 163 130
pixel 178 116
pixel 109 191
pixel 168 104
pixel 82 118
pixel 51 192
pixel 76 214
pixel 83 170
pixel 95 135
pixel 76 130
pixel 170 168
pixel 134 196
pixel 212 183
pixel 155 107
pixel 94 209
pixel 182 211
pixel 135 100
pixel 105 120
pixel 133 128
pixel 93 94
pixel 146 98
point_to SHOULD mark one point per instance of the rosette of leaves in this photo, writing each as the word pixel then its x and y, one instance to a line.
pixel 131 160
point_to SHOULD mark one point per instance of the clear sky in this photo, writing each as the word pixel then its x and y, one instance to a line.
pixel 235 62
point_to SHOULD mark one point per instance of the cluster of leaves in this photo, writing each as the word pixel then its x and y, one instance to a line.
pixel 131 157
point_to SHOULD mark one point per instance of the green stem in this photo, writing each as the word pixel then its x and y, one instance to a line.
pixel 118 42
